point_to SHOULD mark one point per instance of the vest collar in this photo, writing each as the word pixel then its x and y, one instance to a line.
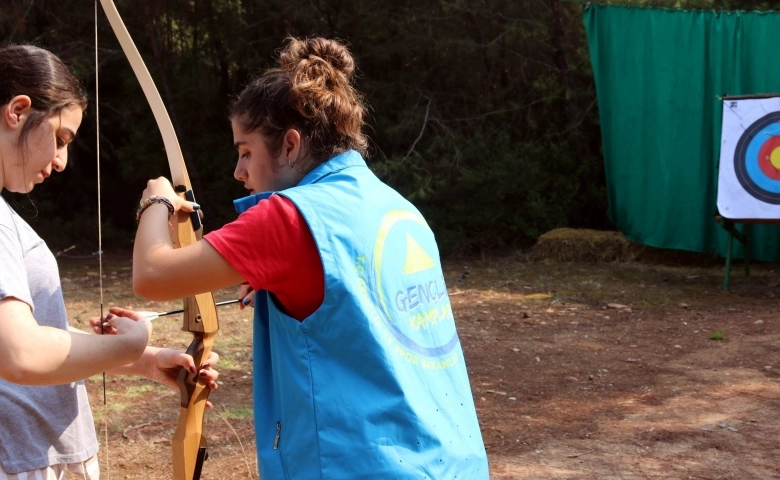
pixel 341 161
pixel 350 158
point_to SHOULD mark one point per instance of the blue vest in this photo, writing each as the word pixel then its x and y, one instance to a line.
pixel 373 384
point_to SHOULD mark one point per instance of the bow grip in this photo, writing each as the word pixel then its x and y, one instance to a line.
pixel 194 216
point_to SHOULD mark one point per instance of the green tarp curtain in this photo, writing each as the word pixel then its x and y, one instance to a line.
pixel 659 74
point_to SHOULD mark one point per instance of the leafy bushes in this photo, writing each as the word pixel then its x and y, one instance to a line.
pixel 482 113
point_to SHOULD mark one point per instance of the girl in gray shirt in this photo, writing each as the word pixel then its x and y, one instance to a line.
pixel 46 425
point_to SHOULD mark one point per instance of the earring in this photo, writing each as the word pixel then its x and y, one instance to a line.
pixel 290 163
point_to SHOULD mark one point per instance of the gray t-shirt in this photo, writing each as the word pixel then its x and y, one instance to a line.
pixel 39 426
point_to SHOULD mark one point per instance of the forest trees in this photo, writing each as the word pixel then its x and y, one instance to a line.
pixel 483 112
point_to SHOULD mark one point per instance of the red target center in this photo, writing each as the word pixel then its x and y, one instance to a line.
pixel 765 158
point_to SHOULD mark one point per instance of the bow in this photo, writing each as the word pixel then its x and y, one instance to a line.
pixel 200 313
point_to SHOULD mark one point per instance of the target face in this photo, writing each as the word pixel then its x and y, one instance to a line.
pixel 749 172
pixel 757 159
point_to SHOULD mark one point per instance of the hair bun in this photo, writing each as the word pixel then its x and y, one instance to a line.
pixel 315 50
pixel 310 91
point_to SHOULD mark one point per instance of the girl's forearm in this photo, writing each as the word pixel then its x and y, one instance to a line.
pixel 141 367
pixel 56 356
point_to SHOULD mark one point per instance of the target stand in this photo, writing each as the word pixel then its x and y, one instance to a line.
pixel 749 169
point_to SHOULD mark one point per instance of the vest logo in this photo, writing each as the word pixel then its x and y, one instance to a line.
pixel 416 258
pixel 405 281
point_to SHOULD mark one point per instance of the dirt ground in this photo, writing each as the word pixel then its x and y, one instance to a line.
pixel 578 370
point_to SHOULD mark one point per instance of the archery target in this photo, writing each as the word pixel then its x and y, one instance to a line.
pixel 749 172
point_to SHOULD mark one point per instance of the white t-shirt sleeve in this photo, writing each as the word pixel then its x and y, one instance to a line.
pixel 13 274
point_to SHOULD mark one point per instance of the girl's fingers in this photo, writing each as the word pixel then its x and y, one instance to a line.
pixel 182 359
pixel 96 324
pixel 169 358
pixel 208 376
pixel 186 206
pixel 101 326
pixel 213 359
pixel 123 312
pixel 247 296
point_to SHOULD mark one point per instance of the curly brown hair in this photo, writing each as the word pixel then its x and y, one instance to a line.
pixel 310 91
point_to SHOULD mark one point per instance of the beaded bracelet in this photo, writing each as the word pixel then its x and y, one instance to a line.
pixel 149 202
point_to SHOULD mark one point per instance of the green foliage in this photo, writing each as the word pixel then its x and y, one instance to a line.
pixel 716 335
pixel 483 113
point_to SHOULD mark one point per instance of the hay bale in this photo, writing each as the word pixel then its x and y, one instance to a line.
pixel 584 245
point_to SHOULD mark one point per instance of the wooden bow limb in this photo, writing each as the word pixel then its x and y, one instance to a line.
pixel 200 313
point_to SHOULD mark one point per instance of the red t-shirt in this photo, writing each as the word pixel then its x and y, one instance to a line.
pixel 271 246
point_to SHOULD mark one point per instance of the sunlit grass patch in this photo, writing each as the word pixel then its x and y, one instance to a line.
pixel 716 335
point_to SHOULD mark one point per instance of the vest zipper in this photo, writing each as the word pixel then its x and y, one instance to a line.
pixel 276 447
pixel 278 434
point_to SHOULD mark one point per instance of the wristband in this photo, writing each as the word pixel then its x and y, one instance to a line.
pixel 149 202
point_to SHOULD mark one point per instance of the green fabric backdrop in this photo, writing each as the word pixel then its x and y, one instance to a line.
pixel 659 74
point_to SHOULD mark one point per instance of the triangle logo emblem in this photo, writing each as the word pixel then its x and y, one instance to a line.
pixel 416 258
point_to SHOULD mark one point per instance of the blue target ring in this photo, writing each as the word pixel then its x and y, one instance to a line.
pixel 746 159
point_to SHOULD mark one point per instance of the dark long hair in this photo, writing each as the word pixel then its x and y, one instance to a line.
pixel 39 74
